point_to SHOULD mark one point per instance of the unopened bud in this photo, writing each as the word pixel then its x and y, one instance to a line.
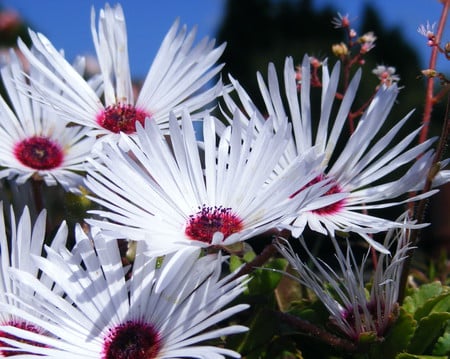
pixel 131 251
pixel 340 50
pixel 367 37
pixel 447 48
pixel 429 73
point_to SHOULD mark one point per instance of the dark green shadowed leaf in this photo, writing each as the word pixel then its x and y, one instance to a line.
pixel 428 330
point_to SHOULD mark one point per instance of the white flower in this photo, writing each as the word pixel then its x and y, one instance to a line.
pixel 386 75
pixel 176 79
pixel 36 142
pixel 342 290
pixel 427 30
pixel 174 194
pixel 368 157
pixel 341 21
pixel 18 241
pixel 367 42
pixel 160 308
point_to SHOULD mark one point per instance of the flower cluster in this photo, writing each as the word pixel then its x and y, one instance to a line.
pixel 355 47
pixel 146 273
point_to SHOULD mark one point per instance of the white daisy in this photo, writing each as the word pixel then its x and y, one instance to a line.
pixel 36 142
pixel 353 310
pixel 161 308
pixel 177 78
pixel 18 241
pixel 363 161
pixel 171 193
pixel 428 31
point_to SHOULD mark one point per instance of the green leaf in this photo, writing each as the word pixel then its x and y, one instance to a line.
pixel 418 299
pixel 440 303
pixel 236 261
pixel 266 279
pixel 414 356
pixel 254 342
pixel 249 256
pixel 442 346
pixel 397 337
pixel 313 312
pixel 284 347
pixel 428 330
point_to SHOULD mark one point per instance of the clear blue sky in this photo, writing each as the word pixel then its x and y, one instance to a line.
pixel 67 23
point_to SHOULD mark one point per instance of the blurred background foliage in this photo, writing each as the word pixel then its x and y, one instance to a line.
pixel 259 31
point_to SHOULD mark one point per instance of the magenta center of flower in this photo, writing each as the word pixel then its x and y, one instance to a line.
pixel 121 118
pixel 39 153
pixel 209 220
pixel 21 325
pixel 132 340
pixel 369 319
pixel 332 208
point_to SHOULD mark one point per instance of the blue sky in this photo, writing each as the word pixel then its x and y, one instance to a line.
pixel 67 23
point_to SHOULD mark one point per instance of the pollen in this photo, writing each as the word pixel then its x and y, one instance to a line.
pixel 209 220
pixel 39 153
pixel 132 340
pixel 121 118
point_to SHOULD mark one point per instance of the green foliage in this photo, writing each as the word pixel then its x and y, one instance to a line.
pixel 430 306
pixel 264 279
pixel 428 329
pixel 423 300
pixel 442 345
pixel 412 356
pixel 397 338
pixel 420 329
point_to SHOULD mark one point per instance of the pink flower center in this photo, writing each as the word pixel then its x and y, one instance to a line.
pixel 331 208
pixel 369 319
pixel 39 153
pixel 132 340
pixel 121 118
pixel 21 325
pixel 209 220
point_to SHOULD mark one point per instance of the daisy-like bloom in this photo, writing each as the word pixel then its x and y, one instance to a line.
pixel 353 310
pixel 177 78
pixel 23 239
pixel 428 31
pixel 36 142
pixel 160 308
pixel 386 74
pixel 341 21
pixel 173 193
pixel 368 155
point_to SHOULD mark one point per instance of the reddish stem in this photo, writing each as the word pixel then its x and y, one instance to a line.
pixel 429 96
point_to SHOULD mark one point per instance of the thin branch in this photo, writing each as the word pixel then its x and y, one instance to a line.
pixel 429 95
pixel 318 333
pixel 420 210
